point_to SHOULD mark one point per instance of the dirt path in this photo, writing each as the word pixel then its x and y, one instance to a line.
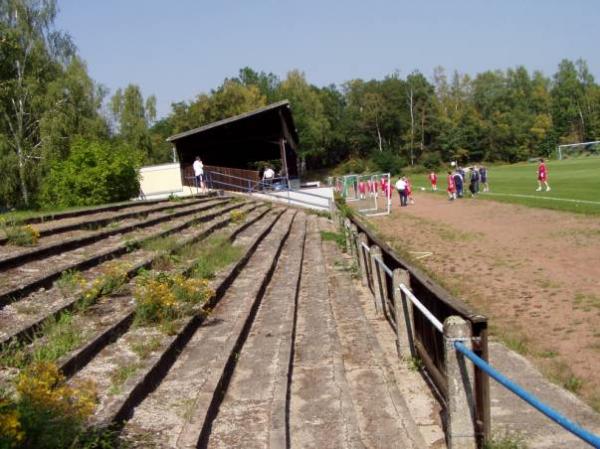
pixel 535 273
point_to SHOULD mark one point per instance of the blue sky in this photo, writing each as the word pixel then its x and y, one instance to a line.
pixel 180 48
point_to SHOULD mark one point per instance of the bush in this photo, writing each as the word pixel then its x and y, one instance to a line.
pixel 386 161
pixel 352 166
pixel 46 412
pixel 94 173
pixel 25 235
pixel 432 160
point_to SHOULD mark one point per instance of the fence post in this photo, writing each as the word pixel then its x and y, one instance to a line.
pixel 362 259
pixel 461 395
pixel 347 235
pixel 353 241
pixel 377 281
pixel 405 333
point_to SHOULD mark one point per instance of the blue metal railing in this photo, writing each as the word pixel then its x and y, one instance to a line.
pixel 532 400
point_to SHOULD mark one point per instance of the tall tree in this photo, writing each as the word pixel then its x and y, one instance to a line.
pixel 133 117
pixel 33 54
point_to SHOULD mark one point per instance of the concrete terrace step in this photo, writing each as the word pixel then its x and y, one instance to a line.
pixel 18 257
pixel 383 416
pixel 321 412
pixel 103 217
pixel 166 414
pixel 20 281
pixel 255 398
pixel 116 406
pixel 22 319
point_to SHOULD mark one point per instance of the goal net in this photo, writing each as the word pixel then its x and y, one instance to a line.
pixel 579 149
pixel 369 194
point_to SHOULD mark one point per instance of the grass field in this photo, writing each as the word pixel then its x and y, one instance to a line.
pixel 575 185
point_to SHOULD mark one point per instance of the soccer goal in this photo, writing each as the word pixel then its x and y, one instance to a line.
pixel 369 194
pixel 579 149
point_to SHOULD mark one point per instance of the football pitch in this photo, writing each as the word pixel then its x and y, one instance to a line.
pixel 575 185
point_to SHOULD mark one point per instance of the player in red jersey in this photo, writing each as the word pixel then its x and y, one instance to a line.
pixel 433 180
pixel 451 187
pixel 409 191
pixel 542 176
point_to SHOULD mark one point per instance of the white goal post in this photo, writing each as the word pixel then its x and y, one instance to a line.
pixel 594 145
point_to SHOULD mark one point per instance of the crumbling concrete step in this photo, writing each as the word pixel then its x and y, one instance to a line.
pixel 174 414
pixel 20 320
pixel 18 282
pixel 18 257
pixel 321 412
pixel 115 406
pixel 383 416
pixel 103 218
pixel 255 400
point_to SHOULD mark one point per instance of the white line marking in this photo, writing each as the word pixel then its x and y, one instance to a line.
pixel 597 203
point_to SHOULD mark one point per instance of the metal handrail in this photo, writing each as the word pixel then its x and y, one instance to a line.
pixel 532 400
pixel 365 246
pixel 384 266
pixel 432 319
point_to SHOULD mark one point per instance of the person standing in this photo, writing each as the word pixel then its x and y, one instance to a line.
pixel 268 176
pixel 542 174
pixel 451 187
pixel 433 181
pixel 459 184
pixel 483 178
pixel 198 167
pixel 401 188
pixel 409 191
pixel 474 181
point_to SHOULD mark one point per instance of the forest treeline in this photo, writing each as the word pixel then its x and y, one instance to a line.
pixel 58 127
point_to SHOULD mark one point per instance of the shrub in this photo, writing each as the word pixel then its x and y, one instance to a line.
pixel 164 298
pixel 431 160
pixel 352 166
pixel 94 173
pixel 25 235
pixel 45 412
pixel 386 161
pixel 237 216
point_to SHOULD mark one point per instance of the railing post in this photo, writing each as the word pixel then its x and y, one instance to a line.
pixel 353 241
pixel 363 259
pixel 461 397
pixel 377 281
pixel 403 311
pixel 347 235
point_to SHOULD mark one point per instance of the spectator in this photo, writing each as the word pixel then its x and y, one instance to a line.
pixel 402 191
pixel 198 167
pixel 474 182
pixel 268 176
pixel 483 178
pixel 459 184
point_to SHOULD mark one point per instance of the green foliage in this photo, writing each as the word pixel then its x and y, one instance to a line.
pixel 505 442
pixel 336 237
pixel 25 235
pixel 388 162
pixel 94 173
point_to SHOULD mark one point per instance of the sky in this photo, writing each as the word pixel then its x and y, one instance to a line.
pixel 180 48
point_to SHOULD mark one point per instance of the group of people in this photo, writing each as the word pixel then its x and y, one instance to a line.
pixel 456 180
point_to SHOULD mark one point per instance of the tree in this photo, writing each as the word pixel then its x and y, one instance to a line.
pixel 133 117
pixel 309 115
pixel 33 52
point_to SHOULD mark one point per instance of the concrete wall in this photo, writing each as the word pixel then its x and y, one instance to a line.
pixel 313 198
pixel 160 180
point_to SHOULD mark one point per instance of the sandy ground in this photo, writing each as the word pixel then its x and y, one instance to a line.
pixel 535 273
